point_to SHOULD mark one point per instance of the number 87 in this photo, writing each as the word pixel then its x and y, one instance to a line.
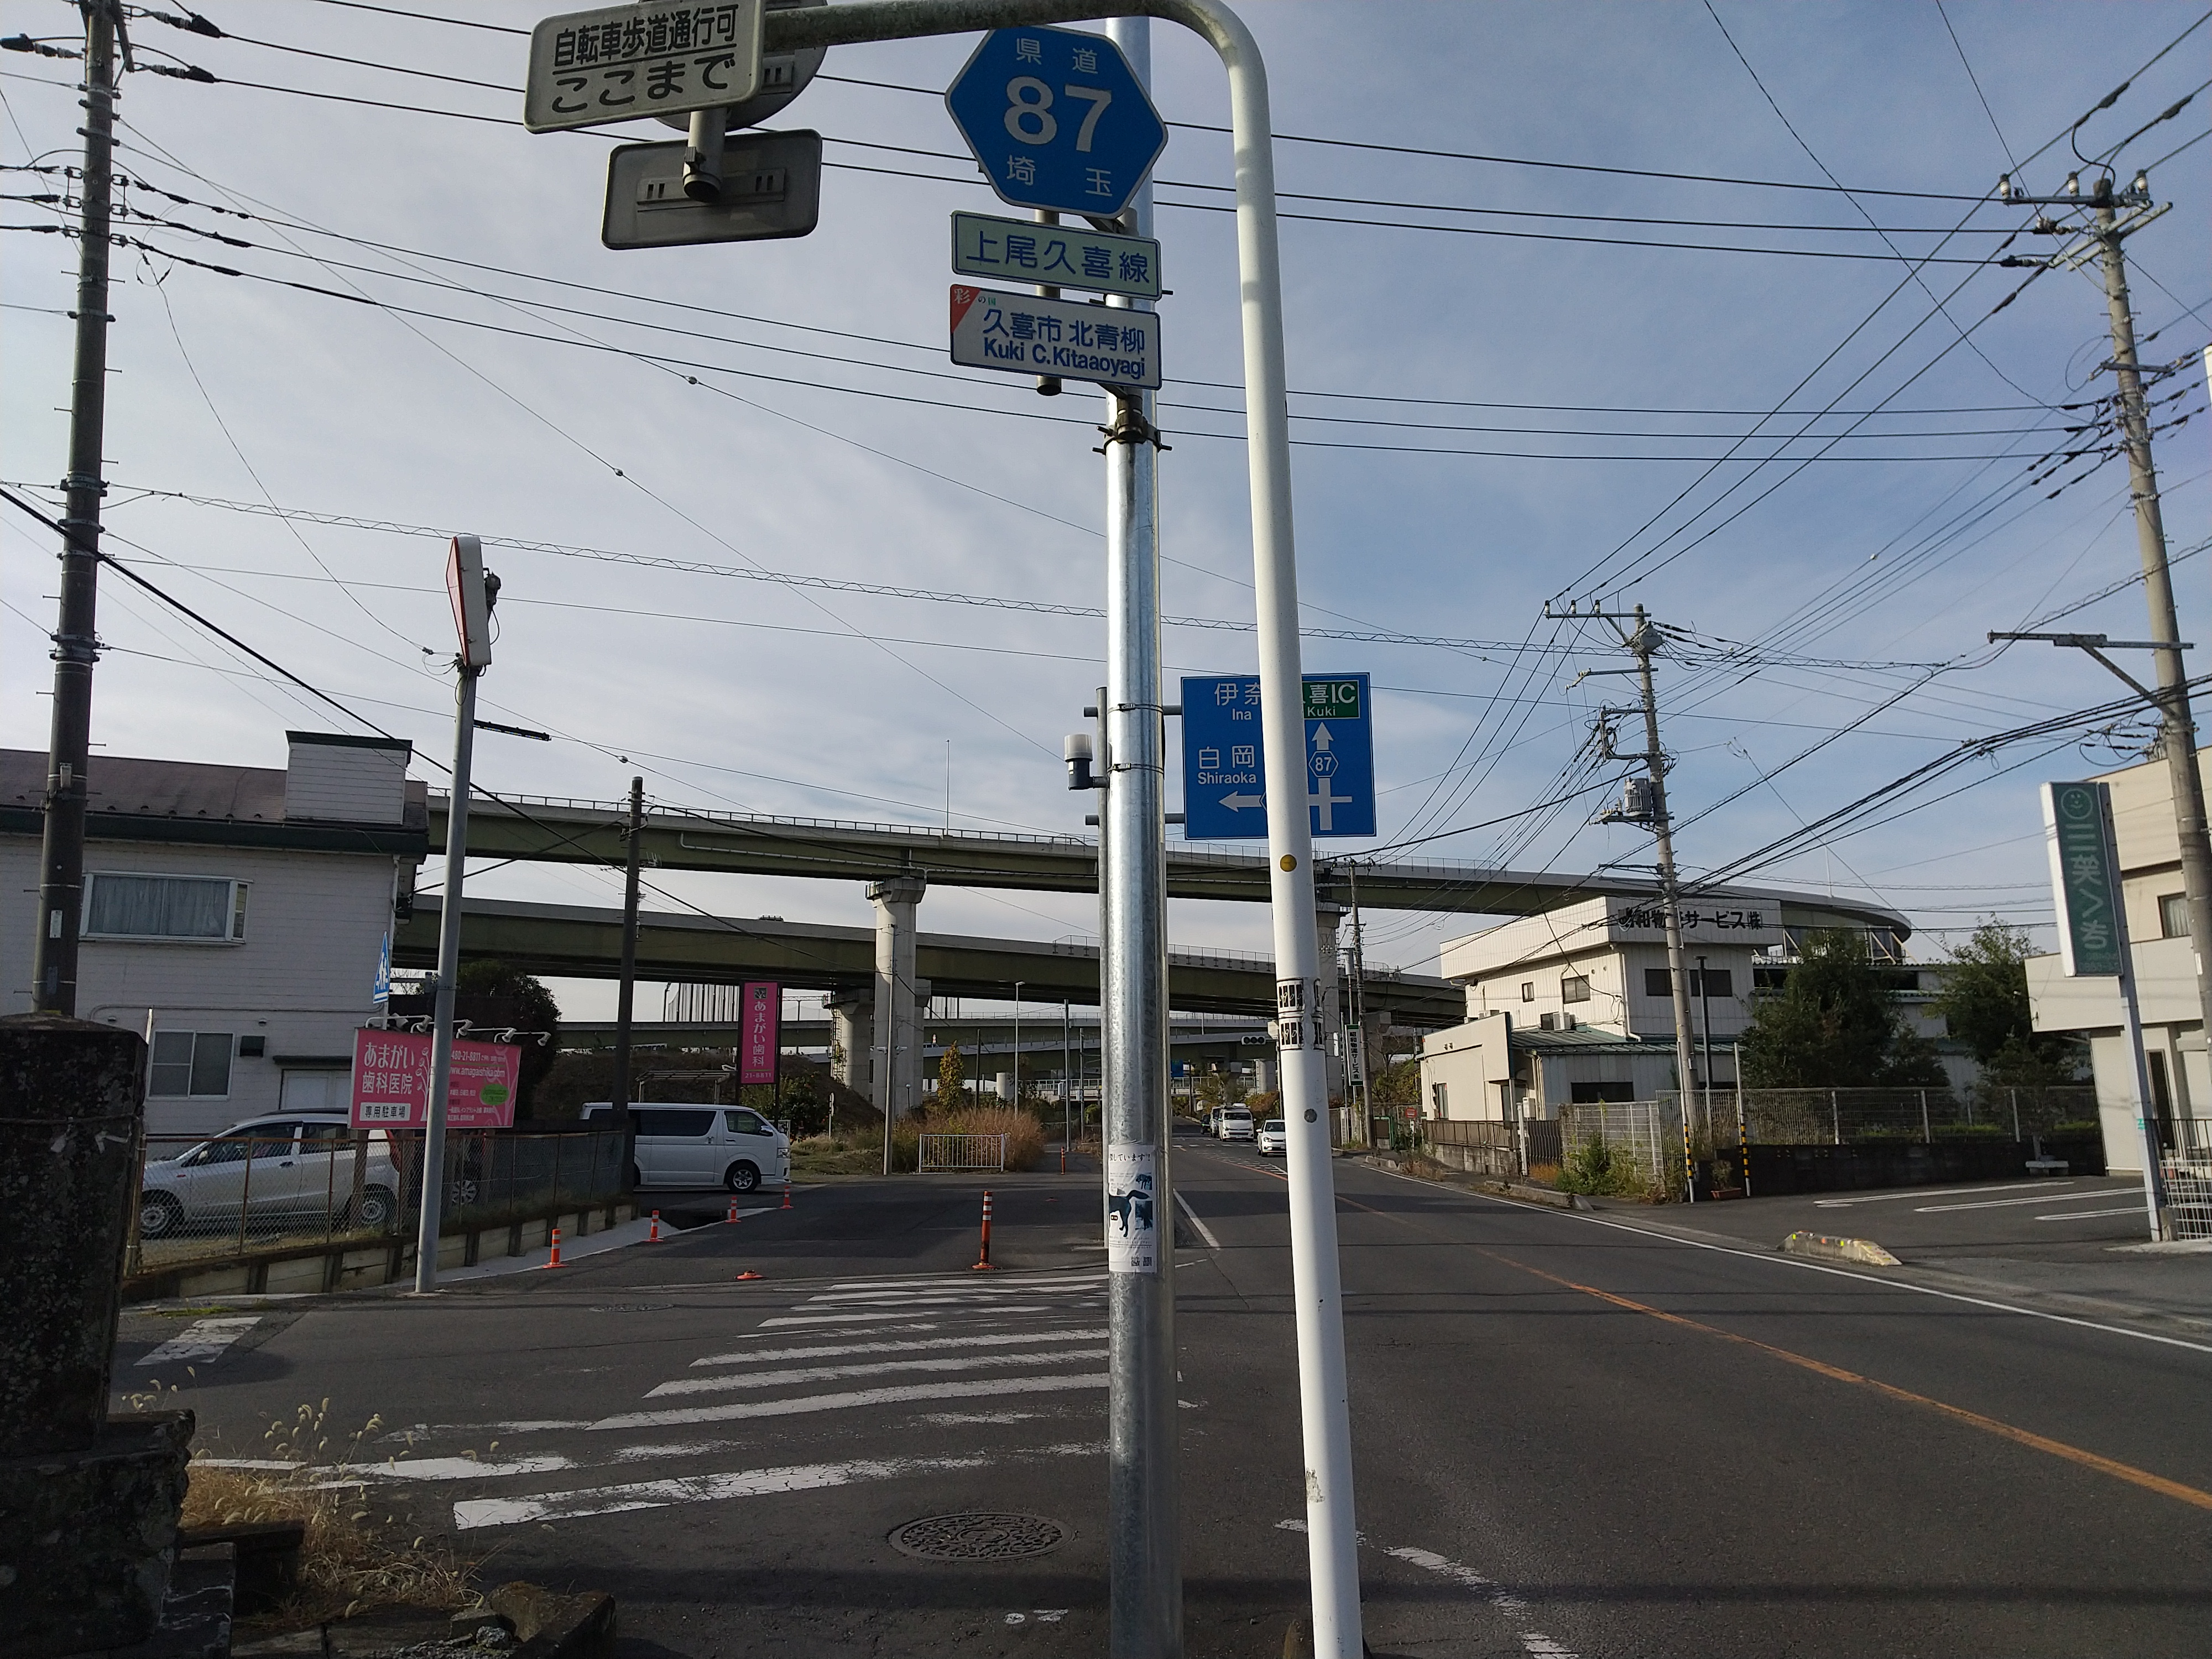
pixel 1029 110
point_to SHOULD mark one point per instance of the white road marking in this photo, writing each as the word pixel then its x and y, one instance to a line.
pixel 248 1462
pixel 838 1319
pixel 1002 1339
pixel 945 1282
pixel 980 1389
pixel 741 1483
pixel 1945 1192
pixel 964 1362
pixel 2007 1203
pixel 201 1340
pixel 459 1469
pixel 980 1295
pixel 1799 1263
pixel 2083 1215
pixel 694 1489
pixel 1203 1231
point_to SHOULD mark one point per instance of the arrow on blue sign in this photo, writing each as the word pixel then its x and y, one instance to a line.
pixel 1225 761
pixel 1058 121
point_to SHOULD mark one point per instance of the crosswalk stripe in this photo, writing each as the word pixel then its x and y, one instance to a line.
pixel 966 1362
pixel 875 1316
pixel 203 1340
pixel 951 1281
pixel 693 1489
pixel 938 1296
pixel 1002 1339
pixel 979 1388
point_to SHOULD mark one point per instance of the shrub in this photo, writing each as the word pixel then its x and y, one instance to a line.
pixel 1594 1167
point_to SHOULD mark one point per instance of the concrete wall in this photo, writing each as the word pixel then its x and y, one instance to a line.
pixel 301 979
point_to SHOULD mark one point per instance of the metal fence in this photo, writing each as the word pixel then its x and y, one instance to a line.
pixel 2185 1162
pixel 209 1197
pixel 939 1154
pixel 1845 1118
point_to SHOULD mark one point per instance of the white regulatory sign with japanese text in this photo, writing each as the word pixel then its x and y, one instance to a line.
pixel 1058 256
pixel 621 62
pixel 1078 341
pixel 1132 1226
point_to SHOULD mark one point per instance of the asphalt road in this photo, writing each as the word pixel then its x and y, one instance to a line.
pixel 1573 1434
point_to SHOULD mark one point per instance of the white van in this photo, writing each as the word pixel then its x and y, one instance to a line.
pixel 696 1146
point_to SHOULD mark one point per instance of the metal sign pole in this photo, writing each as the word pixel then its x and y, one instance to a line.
pixel 449 968
pixel 1143 1564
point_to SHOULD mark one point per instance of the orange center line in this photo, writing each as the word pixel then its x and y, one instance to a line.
pixel 2075 1455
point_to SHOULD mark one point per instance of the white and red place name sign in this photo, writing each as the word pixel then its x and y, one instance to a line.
pixel 391 1082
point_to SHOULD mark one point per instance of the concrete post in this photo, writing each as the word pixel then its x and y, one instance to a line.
pixel 896 1081
pixel 87 1505
pixel 853 1032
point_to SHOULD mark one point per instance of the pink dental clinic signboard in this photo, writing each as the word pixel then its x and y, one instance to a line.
pixel 391 1082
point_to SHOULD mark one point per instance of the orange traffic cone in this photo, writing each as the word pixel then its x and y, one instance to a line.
pixel 731 1218
pixel 749 1274
pixel 554 1260
pixel 787 1193
pixel 654 1237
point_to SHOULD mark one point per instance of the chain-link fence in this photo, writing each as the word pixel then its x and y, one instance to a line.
pixel 1810 1139
pixel 207 1198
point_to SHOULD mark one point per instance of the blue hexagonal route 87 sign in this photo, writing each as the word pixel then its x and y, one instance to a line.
pixel 1058 121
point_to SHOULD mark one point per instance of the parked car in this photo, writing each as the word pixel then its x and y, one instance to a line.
pixel 1274 1138
pixel 1236 1123
pixel 290 1167
pixel 695 1146
pixel 1214 1122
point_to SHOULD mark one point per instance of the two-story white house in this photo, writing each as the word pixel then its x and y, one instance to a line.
pixel 235 914
pixel 1576 1005
pixel 2166 978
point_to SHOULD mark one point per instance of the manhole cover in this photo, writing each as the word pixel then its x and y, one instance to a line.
pixel 977 1537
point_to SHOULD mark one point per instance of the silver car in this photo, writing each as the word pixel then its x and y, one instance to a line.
pixel 269 1171
pixel 1275 1138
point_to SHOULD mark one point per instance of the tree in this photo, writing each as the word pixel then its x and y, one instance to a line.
pixel 1400 1084
pixel 952 1078
pixel 1835 1024
pixel 496 995
pixel 1984 1003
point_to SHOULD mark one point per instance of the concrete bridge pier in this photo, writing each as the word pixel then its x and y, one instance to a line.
pixel 852 1037
pixel 895 1086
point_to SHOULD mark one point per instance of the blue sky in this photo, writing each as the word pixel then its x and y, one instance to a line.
pixel 1592 383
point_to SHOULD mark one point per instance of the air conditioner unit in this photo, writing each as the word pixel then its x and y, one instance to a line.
pixel 1547 1021
pixel 1566 1022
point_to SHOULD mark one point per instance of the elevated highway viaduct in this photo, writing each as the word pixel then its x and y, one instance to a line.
pixel 900 965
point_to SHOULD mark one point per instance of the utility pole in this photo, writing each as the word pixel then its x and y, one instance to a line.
pixel 76 645
pixel 2176 728
pixel 1144 1548
pixel 626 989
pixel 1643 641
pixel 1359 1026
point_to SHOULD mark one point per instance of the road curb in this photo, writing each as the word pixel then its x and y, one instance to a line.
pixel 1512 1189
pixel 1827 1248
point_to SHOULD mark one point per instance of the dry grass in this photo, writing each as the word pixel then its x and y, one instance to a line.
pixel 1024 1134
pixel 351 1560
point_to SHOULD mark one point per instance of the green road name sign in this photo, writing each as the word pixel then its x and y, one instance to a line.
pixel 1332 700
pixel 2085 878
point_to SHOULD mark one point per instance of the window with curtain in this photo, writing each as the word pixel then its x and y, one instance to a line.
pixel 202 907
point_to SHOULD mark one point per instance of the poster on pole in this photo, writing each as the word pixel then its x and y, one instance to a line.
pixel 1132 1228
pixel 2084 878
pixel 391 1082
pixel 760 1034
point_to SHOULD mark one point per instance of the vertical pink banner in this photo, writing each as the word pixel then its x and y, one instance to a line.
pixel 761 1032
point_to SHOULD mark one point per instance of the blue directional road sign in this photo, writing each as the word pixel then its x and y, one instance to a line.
pixel 1058 121
pixel 1224 759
